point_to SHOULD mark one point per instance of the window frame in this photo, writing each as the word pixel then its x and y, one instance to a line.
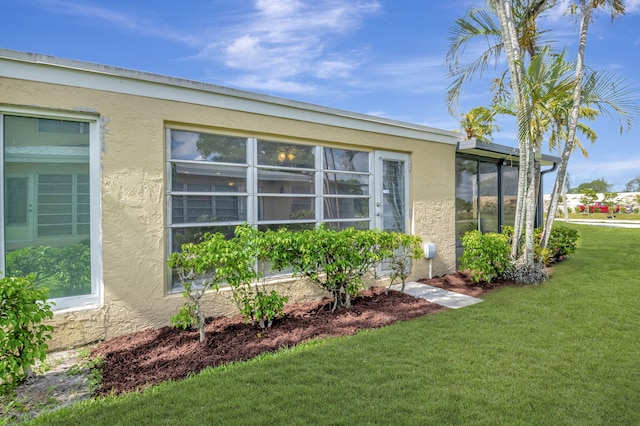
pixel 256 197
pixel 95 299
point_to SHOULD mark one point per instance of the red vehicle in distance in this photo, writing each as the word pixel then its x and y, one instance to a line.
pixel 599 207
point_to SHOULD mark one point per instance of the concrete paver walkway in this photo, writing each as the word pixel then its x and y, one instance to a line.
pixel 437 295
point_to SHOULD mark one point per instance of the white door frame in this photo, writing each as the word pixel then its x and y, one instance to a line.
pixel 380 158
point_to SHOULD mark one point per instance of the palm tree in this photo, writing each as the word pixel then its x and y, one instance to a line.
pixel 479 123
pixel 481 23
pixel 542 96
pixel 585 8
pixel 515 33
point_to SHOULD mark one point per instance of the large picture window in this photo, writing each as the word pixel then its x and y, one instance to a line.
pixel 48 219
pixel 215 182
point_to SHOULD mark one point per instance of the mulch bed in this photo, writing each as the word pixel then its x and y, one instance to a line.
pixel 138 360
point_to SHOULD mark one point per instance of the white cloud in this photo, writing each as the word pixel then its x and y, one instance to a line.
pixel 277 7
pixel 271 85
pixel 244 52
pixel 272 44
pixel 632 6
pixel 80 9
pixel 332 68
pixel 120 19
pixel 285 40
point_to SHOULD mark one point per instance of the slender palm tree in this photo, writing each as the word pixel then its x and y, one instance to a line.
pixel 514 34
pixel 480 23
pixel 585 9
pixel 532 93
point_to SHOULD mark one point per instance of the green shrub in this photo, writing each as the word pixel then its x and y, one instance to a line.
pixel 336 260
pixel 264 307
pixel 23 336
pixel 399 250
pixel 215 260
pixel 200 267
pixel 256 304
pixel 562 241
pixel 486 256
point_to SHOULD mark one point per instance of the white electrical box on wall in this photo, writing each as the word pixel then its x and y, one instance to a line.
pixel 429 250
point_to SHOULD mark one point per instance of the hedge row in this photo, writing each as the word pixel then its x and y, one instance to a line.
pixel 337 261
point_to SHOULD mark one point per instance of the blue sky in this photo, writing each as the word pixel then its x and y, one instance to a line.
pixel 379 57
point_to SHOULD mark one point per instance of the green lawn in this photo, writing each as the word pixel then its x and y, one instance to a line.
pixel 601 216
pixel 565 352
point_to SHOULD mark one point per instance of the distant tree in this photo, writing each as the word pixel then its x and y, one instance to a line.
pixel 588 197
pixel 610 199
pixel 633 185
pixel 598 185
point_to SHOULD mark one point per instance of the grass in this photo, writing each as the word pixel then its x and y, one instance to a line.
pixel 562 353
pixel 602 216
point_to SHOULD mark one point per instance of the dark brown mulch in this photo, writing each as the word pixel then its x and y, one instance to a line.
pixel 460 282
pixel 136 361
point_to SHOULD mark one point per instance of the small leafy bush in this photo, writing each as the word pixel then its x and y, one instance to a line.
pixel 216 260
pixel 200 267
pixel 399 250
pixel 486 256
pixel 336 260
pixel 23 336
pixel 264 308
pixel 562 241
pixel 256 304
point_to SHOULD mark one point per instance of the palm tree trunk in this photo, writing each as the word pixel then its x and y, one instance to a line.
pixel 516 70
pixel 586 12
pixel 530 211
pixel 565 203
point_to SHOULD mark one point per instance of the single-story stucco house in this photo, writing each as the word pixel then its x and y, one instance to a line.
pixel 106 171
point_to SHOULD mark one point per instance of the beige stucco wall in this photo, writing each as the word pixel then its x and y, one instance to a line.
pixel 133 197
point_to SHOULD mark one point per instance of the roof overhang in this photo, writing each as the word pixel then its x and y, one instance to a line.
pixel 73 73
pixel 499 152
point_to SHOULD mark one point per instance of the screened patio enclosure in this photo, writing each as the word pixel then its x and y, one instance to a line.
pixel 487 187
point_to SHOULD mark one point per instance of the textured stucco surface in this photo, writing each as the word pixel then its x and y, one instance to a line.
pixel 133 195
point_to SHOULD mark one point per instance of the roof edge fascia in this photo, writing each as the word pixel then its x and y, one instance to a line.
pixel 475 147
pixel 74 73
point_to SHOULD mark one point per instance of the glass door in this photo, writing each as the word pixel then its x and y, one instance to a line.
pixel 392 191
pixel 391 196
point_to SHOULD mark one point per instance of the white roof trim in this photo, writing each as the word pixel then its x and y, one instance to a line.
pixel 49 69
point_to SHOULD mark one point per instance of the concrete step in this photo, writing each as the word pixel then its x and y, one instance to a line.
pixel 437 295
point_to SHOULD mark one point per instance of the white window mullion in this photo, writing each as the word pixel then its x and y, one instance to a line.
pixel 319 184
pixel 252 181
pixel 372 191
